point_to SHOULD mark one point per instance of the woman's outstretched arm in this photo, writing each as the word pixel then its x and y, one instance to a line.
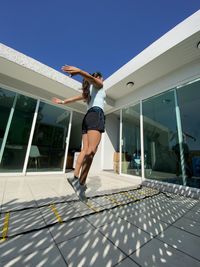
pixel 76 71
pixel 67 100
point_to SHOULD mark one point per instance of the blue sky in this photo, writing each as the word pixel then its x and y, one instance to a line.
pixel 93 35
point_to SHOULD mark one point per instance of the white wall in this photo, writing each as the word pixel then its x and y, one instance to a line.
pixel 103 159
pixel 111 140
pixel 97 162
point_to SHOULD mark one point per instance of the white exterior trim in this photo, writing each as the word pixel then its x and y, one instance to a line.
pixel 31 138
pixel 142 142
pixel 8 127
pixel 67 141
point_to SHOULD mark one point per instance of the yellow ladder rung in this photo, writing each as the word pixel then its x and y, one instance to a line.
pixel 90 205
pixel 5 227
pixel 113 200
pixel 129 196
pixel 53 208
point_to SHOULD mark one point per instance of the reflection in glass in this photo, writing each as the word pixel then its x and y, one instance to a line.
pixel 49 140
pixel 16 118
pixel 131 152
pixel 160 138
pixel 189 102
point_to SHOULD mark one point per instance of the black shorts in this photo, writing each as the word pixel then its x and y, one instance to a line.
pixel 94 120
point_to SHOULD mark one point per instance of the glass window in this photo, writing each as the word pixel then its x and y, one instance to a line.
pixel 160 138
pixel 131 153
pixel 189 102
pixel 6 103
pixel 17 113
pixel 49 140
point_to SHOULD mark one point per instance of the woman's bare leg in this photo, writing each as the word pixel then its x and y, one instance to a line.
pixel 93 138
pixel 81 155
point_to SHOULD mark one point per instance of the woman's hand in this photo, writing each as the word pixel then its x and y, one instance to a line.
pixel 71 70
pixel 56 100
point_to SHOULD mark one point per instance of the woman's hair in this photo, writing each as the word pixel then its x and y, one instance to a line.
pixel 86 90
pixel 86 86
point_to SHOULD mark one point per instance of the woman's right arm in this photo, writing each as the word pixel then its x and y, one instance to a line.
pixel 56 100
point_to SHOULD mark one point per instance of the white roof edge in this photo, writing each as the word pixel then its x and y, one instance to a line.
pixel 180 32
pixel 27 62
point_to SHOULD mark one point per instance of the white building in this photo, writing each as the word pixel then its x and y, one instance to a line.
pixel 152 113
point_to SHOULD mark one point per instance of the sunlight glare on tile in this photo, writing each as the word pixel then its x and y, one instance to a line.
pixel 106 250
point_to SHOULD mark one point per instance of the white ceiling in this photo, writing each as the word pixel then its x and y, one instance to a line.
pixel 169 61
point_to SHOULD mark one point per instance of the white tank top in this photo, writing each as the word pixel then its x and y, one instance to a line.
pixel 97 97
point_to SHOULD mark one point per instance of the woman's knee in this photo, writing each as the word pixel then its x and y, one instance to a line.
pixel 91 151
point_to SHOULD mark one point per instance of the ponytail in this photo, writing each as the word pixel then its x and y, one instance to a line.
pixel 86 90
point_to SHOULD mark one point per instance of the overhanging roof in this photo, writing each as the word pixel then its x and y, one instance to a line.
pixel 34 78
pixel 173 50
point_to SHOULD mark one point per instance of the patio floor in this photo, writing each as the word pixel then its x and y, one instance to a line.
pixel 43 223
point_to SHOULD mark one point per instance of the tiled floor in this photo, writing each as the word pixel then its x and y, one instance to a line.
pixel 47 225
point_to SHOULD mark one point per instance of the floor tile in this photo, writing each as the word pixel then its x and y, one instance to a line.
pixel 103 201
pixel 16 188
pixel 25 244
pixel 49 257
pixel 125 235
pixel 101 218
pixel 164 214
pixel 23 221
pixel 197 206
pixel 91 249
pixel 194 213
pixel 69 230
pixel 17 204
pixel 183 199
pixel 147 223
pixel 181 240
pixel 127 210
pixel 188 225
pixel 172 206
pixel 116 200
pixel 178 200
pixel 44 201
pixel 65 211
pixel 86 208
pixel 156 254
pixel 127 262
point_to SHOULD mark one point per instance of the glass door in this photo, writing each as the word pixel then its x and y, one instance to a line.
pixel 131 145
pixel 15 124
pixel 47 152
pixel 188 150
pixel 161 137
pixel 7 106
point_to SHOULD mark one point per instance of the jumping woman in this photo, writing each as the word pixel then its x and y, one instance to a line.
pixel 93 124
